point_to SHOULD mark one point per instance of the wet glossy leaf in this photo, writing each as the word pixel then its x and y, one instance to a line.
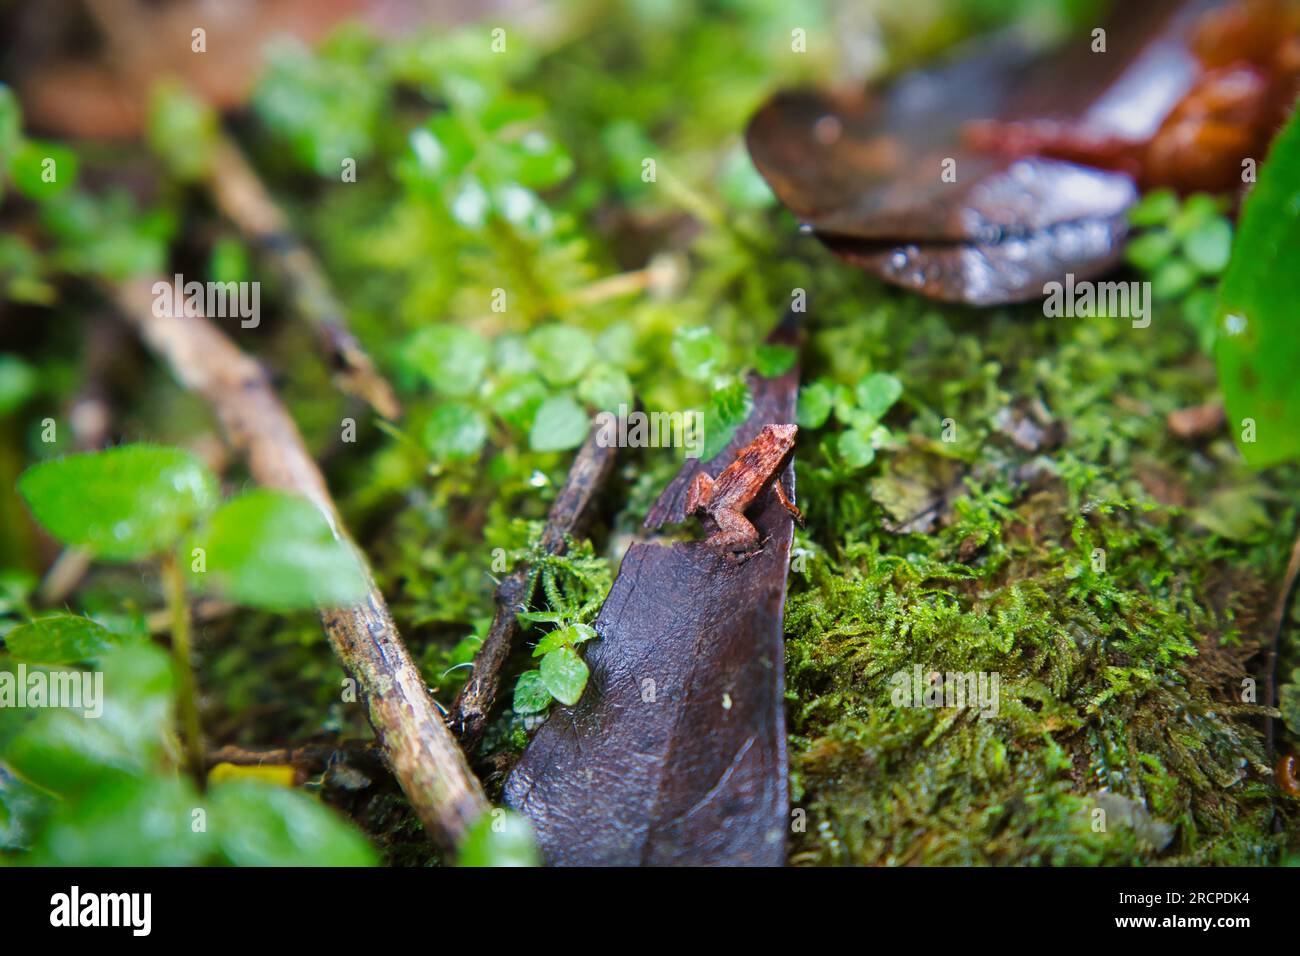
pixel 122 504
pixel 1258 350
pixel 22 808
pixel 683 763
pixel 565 675
pixel 273 550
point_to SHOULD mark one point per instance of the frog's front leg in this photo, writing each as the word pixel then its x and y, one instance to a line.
pixel 699 493
pixel 735 535
pixel 786 503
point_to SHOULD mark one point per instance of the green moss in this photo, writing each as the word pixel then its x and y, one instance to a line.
pixel 1120 682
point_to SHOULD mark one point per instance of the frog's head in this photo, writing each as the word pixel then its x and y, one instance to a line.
pixel 782 435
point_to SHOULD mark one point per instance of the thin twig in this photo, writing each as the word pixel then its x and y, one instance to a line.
pixel 569 513
pixel 307 760
pixel 417 745
pixel 1276 620
pixel 240 194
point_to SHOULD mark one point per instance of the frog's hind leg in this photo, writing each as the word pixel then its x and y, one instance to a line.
pixel 735 537
pixel 787 504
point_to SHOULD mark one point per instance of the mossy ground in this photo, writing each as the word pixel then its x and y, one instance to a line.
pixel 1125 681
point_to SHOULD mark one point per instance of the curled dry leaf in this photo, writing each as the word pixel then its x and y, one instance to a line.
pixel 984 179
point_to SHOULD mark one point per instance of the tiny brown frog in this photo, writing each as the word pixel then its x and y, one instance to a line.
pixel 725 499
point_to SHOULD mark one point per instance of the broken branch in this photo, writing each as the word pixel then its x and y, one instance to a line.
pixel 239 193
pixel 417 745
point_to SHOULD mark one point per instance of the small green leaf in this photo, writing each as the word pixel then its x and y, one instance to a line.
pixel 1209 245
pixel 605 388
pixel 11 122
pixel 500 838
pixel 455 431
pixel 814 405
pixel 727 411
pixel 877 393
pixel 42 170
pixel 563 353
pixel 17 382
pixel 699 351
pixel 531 695
pixel 741 185
pixel 1155 209
pixel 560 424
pixel 773 360
pixel 517 400
pixel 452 358
pixel 565 675
pixel 856 448
pixel 1149 250
pixel 1173 279
pixel 273 550
pixel 564 637
pixel 1195 213
pixel 123 504
pixel 183 130
pixel 259 824
pixel 59 639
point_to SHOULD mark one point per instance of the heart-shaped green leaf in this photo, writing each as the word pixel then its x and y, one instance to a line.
pixel 122 504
